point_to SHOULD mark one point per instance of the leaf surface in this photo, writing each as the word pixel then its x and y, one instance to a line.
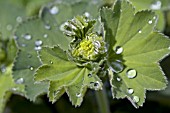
pixel 65 76
pixel 134 44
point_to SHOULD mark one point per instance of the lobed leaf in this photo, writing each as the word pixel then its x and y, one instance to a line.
pixel 133 42
pixel 65 76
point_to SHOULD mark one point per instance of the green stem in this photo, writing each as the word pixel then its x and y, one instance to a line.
pixel 102 101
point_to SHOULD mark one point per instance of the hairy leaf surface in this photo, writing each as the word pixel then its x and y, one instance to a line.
pixel 65 76
pixel 133 43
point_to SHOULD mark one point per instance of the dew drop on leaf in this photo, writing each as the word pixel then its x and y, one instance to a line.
pixel 89 75
pixel 3 68
pixel 48 27
pixel 131 73
pixel 37 48
pixel 97 85
pixel 136 99
pixel 27 36
pixel 38 43
pixel 139 31
pixel 118 50
pixel 78 95
pixel 118 79
pixel 150 21
pixel 14 89
pixel 20 81
pixel 19 19
pixel 9 27
pixel 54 10
pixel 45 36
pixel 31 68
pixel 116 66
pixel 156 5
pixel 51 62
pixel 87 14
pixel 130 91
pixel 23 45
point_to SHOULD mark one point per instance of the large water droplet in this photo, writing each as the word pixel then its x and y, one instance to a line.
pixel 78 95
pixel 156 5
pixel 130 91
pixel 45 35
pixel 19 19
pixel 131 73
pixel 54 10
pixel 150 21
pixel 116 66
pixel 118 50
pixel 51 62
pixel 38 42
pixel 19 81
pixel 9 27
pixel 27 36
pixel 136 99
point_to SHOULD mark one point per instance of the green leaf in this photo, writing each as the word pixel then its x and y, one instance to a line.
pixel 31 35
pixel 65 76
pixel 135 49
pixel 7 85
pixel 157 5
pixel 11 13
pixel 46 30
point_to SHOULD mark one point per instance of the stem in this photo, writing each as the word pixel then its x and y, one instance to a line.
pixel 102 101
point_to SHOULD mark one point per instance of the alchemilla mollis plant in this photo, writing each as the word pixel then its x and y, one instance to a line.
pixel 72 53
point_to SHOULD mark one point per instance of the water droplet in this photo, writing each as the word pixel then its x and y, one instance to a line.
pixel 136 99
pixel 23 45
pixel 47 27
pixel 89 75
pixel 19 19
pixel 78 95
pixel 116 66
pixel 37 82
pixel 19 81
pixel 37 48
pixel 156 5
pixel 54 10
pixel 131 73
pixel 118 79
pixel 45 35
pixel 97 85
pixel 118 50
pixel 27 36
pixel 150 21
pixel 51 62
pixel 31 68
pixel 139 31
pixel 154 17
pixel 38 43
pixel 9 27
pixel 14 89
pixel 3 68
pixel 15 37
pixel 130 91
pixel 87 14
